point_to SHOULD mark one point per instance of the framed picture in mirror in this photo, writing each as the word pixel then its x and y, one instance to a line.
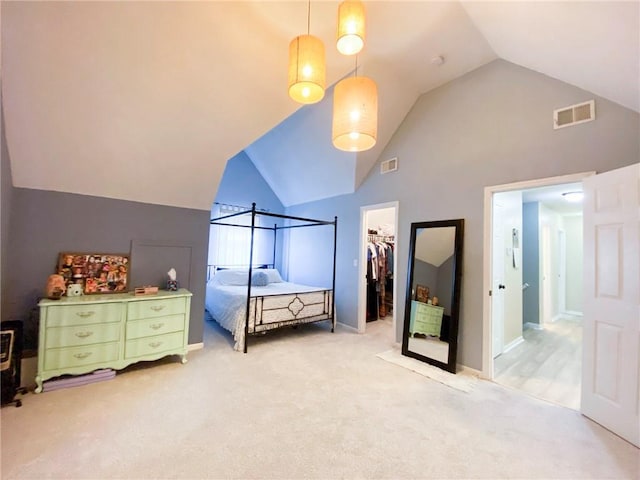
pixel 422 293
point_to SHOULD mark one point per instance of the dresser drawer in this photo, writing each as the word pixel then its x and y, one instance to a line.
pixel 57 358
pixel 155 308
pixel 67 315
pixel 152 345
pixel 82 335
pixel 154 326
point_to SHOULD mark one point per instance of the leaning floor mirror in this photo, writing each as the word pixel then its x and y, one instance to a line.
pixel 433 293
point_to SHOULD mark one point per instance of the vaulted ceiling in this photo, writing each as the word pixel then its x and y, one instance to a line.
pixel 147 101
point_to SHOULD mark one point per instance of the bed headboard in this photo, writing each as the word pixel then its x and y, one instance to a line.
pixel 212 269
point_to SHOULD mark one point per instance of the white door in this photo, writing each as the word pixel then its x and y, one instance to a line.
pixel 497 287
pixel 611 363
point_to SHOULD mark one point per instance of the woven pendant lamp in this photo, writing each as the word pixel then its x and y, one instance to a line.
pixel 306 69
pixel 351 27
pixel 355 114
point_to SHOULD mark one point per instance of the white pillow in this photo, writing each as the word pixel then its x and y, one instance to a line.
pixel 273 274
pixel 231 277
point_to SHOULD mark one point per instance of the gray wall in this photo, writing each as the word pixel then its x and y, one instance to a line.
pixel 45 223
pixel 445 284
pixel 6 199
pixel 425 274
pixel 530 263
pixel 489 127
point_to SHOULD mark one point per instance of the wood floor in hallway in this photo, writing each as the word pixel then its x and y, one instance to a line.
pixel 548 364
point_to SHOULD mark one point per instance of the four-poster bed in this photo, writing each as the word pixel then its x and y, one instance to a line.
pixel 254 299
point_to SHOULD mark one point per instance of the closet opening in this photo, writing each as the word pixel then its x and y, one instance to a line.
pixel 377 303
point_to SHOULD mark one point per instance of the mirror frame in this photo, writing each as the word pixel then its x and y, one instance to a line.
pixel 450 366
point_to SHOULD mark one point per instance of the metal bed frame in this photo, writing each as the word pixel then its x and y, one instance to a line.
pixel 264 304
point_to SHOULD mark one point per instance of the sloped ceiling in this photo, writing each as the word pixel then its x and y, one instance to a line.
pixel 147 101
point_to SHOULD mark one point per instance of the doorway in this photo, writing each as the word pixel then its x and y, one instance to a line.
pixel 377 292
pixel 533 312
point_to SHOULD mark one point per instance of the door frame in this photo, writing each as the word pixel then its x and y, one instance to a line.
pixel 362 264
pixel 487 260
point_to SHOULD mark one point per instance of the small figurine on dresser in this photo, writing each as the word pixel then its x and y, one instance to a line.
pixel 172 283
pixel 55 287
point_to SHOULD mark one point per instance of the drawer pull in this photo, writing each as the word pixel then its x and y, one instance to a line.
pixel 157 308
pixel 155 344
pixel 156 326
pixel 82 356
pixel 85 314
pixel 84 334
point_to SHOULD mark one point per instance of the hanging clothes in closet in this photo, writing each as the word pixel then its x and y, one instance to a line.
pixel 379 276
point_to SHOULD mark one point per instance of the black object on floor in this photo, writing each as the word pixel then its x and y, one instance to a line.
pixel 10 361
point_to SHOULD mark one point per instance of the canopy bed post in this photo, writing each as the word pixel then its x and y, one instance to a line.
pixel 246 322
pixel 276 303
pixel 333 295
pixel 275 238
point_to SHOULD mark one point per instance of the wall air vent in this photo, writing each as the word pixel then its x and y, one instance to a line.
pixel 390 165
pixel 573 115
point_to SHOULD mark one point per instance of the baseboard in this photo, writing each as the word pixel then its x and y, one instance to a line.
pixel 556 318
pixel 195 346
pixel 468 370
pixel 533 326
pixel 348 327
pixel 513 344
pixel 573 313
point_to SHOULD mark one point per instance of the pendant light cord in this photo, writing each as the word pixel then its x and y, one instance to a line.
pixel 308 16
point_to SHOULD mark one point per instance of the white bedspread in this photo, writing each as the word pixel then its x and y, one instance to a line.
pixel 227 303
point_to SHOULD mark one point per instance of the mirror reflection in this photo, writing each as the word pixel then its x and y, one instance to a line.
pixel 431 316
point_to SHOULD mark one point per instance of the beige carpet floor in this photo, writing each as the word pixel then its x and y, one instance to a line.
pixel 302 403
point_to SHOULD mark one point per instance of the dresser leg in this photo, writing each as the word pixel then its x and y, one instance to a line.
pixel 38 384
pixel 183 358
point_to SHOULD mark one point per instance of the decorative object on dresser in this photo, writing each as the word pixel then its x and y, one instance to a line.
pixel 56 287
pixel 95 272
pixel 172 282
pixel 82 334
pixel 145 290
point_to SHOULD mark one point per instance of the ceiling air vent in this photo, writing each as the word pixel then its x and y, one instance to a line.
pixel 390 165
pixel 573 115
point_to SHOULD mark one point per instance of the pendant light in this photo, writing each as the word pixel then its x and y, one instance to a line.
pixel 307 76
pixel 355 114
pixel 351 27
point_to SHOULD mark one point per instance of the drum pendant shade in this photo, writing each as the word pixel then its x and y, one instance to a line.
pixel 355 114
pixel 306 69
pixel 351 27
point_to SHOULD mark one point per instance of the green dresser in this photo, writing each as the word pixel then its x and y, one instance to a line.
pixel 86 333
pixel 425 319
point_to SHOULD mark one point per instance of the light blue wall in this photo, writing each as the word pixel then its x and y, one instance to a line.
pixel 490 127
pixel 530 263
pixel 242 185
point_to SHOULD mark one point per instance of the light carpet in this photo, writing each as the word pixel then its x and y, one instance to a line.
pixel 464 383
pixel 302 404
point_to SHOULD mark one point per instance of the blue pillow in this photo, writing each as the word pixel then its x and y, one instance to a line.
pixel 259 279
